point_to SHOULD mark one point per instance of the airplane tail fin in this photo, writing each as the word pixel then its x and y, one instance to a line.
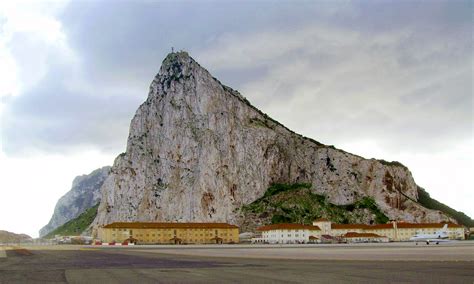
pixel 443 230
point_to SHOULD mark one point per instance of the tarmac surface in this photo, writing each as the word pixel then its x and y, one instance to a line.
pixel 361 263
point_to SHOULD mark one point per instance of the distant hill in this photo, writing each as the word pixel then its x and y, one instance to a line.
pixel 425 199
pixel 84 194
pixel 75 226
pixel 9 237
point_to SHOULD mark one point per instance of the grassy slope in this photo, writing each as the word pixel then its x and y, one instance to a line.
pixel 76 226
pixel 428 202
pixel 296 203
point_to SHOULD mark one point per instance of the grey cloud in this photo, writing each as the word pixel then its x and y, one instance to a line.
pixel 119 46
pixel 131 37
pixel 52 118
pixel 386 71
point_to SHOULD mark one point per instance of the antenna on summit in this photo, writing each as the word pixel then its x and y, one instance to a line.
pixel 172 49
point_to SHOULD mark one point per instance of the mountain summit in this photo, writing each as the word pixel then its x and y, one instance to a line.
pixel 198 151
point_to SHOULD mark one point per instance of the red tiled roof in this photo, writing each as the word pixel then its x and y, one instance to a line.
pixel 360 235
pixel 349 226
pixel 329 237
pixel 401 225
pixel 154 225
pixel 287 226
pixel 380 226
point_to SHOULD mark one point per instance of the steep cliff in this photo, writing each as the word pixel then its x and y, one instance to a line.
pixel 85 193
pixel 199 151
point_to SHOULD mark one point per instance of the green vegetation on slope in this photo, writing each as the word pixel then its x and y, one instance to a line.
pixel 425 199
pixel 295 203
pixel 75 226
pixel 281 187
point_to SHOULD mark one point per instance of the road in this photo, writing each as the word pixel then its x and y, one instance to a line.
pixel 76 264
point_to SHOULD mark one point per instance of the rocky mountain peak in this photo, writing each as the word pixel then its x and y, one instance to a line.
pixel 177 65
pixel 199 151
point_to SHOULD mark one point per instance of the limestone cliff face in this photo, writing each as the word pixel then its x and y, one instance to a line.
pixel 198 151
pixel 85 193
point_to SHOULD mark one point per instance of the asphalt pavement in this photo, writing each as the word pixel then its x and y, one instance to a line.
pixel 75 264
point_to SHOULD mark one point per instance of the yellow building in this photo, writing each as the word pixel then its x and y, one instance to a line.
pixel 395 231
pixel 169 233
pixel 353 237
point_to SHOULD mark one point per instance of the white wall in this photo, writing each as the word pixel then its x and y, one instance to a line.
pixel 289 236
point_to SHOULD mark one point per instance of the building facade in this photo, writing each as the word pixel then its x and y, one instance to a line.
pixel 169 233
pixel 353 237
pixel 288 234
pixel 395 231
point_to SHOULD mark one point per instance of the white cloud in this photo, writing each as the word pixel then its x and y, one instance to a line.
pixel 29 32
pixel 30 186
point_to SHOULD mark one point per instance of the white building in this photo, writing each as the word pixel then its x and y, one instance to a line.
pixel 288 234
pixel 394 231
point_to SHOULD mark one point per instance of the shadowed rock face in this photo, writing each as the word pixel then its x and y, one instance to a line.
pixel 85 193
pixel 198 151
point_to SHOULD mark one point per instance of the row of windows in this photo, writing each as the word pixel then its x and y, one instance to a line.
pixel 199 230
pixel 169 234
pixel 188 240
pixel 289 235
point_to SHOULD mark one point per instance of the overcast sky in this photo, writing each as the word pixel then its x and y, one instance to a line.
pixel 383 79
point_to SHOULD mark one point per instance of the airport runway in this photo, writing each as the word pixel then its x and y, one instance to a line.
pixel 455 251
pixel 77 264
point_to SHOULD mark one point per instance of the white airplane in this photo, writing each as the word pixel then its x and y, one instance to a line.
pixel 437 237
